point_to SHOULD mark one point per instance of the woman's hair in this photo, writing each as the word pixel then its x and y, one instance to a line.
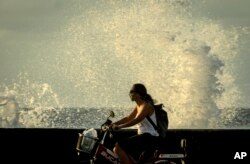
pixel 142 91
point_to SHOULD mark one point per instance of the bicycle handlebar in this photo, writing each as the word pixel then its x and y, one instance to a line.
pixel 106 126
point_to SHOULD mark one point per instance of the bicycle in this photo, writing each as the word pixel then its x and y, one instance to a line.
pixel 99 152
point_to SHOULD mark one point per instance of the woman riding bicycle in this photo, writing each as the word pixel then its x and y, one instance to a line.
pixel 146 139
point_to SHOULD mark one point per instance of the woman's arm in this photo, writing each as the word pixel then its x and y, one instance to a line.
pixel 141 114
pixel 131 116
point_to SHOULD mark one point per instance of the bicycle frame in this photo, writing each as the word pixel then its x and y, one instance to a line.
pixel 103 151
pixel 108 155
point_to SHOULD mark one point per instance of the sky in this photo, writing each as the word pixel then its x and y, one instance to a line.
pixel 28 25
pixel 230 12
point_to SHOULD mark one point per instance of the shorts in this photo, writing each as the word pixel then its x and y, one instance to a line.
pixel 135 145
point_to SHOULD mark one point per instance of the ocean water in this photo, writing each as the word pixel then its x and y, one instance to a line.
pixel 86 67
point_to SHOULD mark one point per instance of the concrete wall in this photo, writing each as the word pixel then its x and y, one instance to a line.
pixel 58 145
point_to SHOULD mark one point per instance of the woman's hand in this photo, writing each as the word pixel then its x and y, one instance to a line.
pixel 114 127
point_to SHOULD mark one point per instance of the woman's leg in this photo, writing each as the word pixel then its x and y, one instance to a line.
pixel 130 149
pixel 123 156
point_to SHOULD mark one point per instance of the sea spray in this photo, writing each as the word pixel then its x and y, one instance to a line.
pixel 102 50
pixel 26 103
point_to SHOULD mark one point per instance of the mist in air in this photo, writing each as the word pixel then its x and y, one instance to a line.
pixel 69 66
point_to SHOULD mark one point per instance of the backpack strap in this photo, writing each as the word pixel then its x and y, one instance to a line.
pixel 150 120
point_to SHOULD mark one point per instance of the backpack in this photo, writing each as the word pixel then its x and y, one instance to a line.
pixel 161 120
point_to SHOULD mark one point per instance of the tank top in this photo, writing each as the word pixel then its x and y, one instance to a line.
pixel 146 127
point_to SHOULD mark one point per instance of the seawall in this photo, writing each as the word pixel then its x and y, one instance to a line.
pixel 58 145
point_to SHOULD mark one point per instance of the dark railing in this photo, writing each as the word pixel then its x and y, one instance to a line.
pixel 59 145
